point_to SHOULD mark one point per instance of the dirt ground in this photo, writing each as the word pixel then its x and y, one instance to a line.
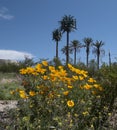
pixel 4 104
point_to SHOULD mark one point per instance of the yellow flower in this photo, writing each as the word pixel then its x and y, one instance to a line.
pixel 76 115
pixel 77 71
pixel 75 77
pixel 100 88
pixel 66 93
pixel 12 92
pixel 34 73
pixel 52 68
pixel 69 66
pixel 32 93
pixel 63 73
pixel 52 77
pixel 70 86
pixel 45 77
pixel 43 71
pixel 96 85
pixel 94 92
pixel 60 67
pixel 85 113
pixel 87 86
pixel 81 77
pixel 23 94
pixel 30 70
pixel 45 63
pixel 70 103
pixel 38 67
pixel 23 71
pixel 91 80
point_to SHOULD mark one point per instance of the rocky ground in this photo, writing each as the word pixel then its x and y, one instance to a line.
pixel 7 105
pixel 4 107
pixel 113 117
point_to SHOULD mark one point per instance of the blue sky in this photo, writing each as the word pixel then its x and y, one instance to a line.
pixel 26 26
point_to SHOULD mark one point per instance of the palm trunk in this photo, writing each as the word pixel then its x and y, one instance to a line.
pixel 98 62
pixel 67 51
pixel 75 56
pixel 87 60
pixel 57 49
pixel 98 59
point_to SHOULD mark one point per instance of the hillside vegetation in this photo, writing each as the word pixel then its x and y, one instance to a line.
pixel 10 78
pixel 9 82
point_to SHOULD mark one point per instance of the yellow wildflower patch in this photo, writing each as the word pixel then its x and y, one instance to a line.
pixel 58 87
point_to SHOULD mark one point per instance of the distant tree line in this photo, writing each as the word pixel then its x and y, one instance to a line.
pixel 8 67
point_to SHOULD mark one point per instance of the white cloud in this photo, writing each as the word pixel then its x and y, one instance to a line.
pixel 4 14
pixel 14 55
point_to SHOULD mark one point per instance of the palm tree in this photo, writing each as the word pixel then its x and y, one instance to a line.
pixel 97 50
pixel 67 24
pixel 57 37
pixel 88 41
pixel 64 50
pixel 75 46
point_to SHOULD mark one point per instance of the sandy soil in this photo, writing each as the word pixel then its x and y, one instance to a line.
pixel 4 104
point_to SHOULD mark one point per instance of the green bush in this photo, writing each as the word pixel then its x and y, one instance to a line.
pixel 59 98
